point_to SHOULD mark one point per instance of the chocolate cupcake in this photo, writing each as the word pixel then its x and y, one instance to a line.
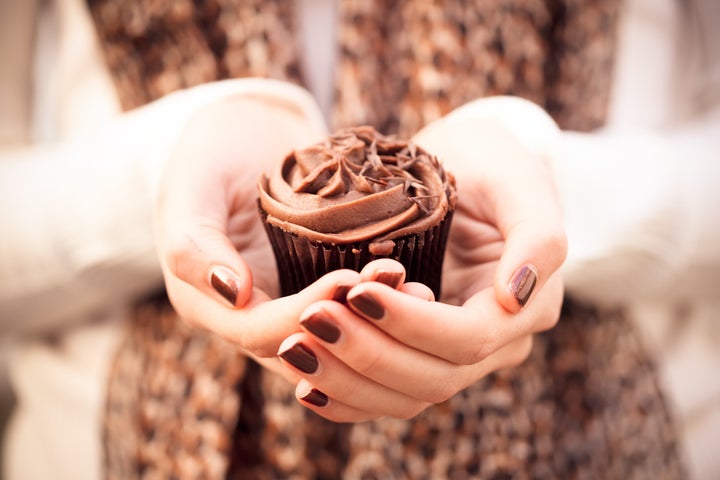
pixel 353 198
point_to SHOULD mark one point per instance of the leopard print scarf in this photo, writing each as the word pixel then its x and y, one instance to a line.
pixel 185 404
pixel 401 65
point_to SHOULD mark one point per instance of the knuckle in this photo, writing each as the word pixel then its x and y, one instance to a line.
pixel 370 361
pixel 256 346
pixel 411 412
pixel 556 241
pixel 521 352
pixel 179 257
pixel 483 350
pixel 441 392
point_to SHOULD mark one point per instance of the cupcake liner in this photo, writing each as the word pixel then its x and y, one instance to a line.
pixel 300 261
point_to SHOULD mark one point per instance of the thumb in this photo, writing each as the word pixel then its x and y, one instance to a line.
pixel 192 215
pixel 208 188
pixel 532 253
pixel 529 218
pixel 200 253
pixel 512 136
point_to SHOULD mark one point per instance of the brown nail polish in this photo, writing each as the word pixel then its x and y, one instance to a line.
pixel 226 283
pixel 340 293
pixel 301 357
pixel 367 305
pixel 320 325
pixel 391 279
pixel 523 283
pixel 315 397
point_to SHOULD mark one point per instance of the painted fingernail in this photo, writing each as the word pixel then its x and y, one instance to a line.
pixel 315 397
pixel 391 279
pixel 367 305
pixel 301 357
pixel 340 293
pixel 320 325
pixel 226 283
pixel 523 283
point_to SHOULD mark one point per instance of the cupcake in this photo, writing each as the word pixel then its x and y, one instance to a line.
pixel 353 198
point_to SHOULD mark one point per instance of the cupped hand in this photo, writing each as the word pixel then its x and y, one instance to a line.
pixel 394 352
pixel 353 367
pixel 217 263
pixel 508 230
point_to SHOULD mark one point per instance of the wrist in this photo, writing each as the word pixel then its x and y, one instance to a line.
pixel 484 128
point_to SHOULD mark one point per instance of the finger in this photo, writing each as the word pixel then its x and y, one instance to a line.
pixel 528 215
pixel 193 241
pixel 392 273
pixel 204 257
pixel 370 352
pixel 419 290
pixel 261 325
pixel 315 399
pixel 385 270
pixel 374 354
pixel 511 355
pixel 269 322
pixel 274 365
pixel 464 334
pixel 532 253
pixel 307 358
pixel 329 408
pixel 209 184
pixel 516 194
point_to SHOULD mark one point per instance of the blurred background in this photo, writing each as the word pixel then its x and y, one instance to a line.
pixel 679 319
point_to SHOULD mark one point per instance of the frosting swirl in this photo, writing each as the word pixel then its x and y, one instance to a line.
pixel 355 186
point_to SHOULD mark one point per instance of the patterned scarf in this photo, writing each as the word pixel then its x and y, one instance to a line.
pixel 186 404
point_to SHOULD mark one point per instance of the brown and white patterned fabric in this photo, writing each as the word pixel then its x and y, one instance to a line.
pixel 186 404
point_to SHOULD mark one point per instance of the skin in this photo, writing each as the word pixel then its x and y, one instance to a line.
pixel 507 216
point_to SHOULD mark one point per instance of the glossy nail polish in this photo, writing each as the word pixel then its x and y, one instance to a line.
pixel 301 357
pixel 315 397
pixel 391 279
pixel 523 283
pixel 320 325
pixel 226 283
pixel 367 305
pixel 340 293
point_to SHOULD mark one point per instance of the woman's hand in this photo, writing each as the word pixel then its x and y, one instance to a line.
pixel 388 352
pixel 217 262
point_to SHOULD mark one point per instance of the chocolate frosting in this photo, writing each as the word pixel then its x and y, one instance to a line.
pixel 355 186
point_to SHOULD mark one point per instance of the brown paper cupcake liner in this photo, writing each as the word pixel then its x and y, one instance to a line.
pixel 301 262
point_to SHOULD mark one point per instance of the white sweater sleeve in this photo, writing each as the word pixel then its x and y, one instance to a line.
pixel 642 211
pixel 77 217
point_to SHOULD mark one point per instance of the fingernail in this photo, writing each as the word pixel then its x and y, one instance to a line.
pixel 300 357
pixel 391 279
pixel 368 305
pixel 340 293
pixel 320 325
pixel 315 397
pixel 523 283
pixel 226 283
